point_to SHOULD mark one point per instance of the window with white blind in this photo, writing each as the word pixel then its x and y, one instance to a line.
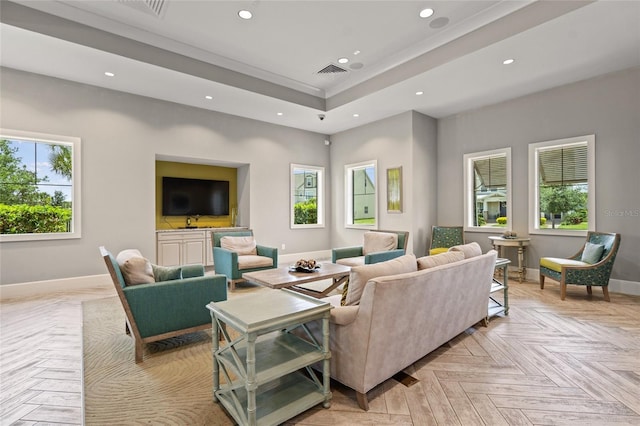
pixel 487 180
pixel 562 186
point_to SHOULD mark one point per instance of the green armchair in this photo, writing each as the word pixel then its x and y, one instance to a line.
pixel 159 310
pixel 445 237
pixel 587 267
pixel 370 251
pixel 234 261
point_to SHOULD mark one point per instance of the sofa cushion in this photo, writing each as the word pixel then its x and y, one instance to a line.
pixel 252 261
pixel 592 253
pixel 555 263
pixel 379 241
pixel 470 250
pixel 361 274
pixel 351 261
pixel 166 273
pixel 241 245
pixel 427 262
pixel 134 267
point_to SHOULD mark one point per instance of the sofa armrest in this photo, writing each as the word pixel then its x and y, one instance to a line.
pixel 343 315
pixel 168 306
pixel 190 271
pixel 341 253
pixel 268 252
pixel 381 256
pixel 225 262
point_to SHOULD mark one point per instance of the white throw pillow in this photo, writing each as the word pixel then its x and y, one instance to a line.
pixel 379 241
pixel 241 245
pixel 470 250
pixel 134 267
pixel 427 262
pixel 361 274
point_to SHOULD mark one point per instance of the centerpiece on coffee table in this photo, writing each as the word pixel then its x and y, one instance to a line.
pixel 304 265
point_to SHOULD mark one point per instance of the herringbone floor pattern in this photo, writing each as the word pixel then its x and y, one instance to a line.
pixel 548 362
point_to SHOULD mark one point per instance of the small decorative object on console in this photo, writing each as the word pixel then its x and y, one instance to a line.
pixel 303 265
pixel 509 234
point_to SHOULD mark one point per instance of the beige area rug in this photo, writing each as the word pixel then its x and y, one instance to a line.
pixel 172 386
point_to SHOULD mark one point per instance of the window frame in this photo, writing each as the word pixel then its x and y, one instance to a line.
pixel 469 203
pixel 320 196
pixel 534 187
pixel 76 211
pixel 348 172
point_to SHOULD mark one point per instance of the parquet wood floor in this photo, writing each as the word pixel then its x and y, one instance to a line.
pixel 549 362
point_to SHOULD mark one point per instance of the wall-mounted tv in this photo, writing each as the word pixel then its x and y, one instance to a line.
pixel 193 197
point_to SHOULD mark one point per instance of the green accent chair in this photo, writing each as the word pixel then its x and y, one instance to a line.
pixel 575 270
pixel 161 310
pixel 357 252
pixel 445 237
pixel 225 261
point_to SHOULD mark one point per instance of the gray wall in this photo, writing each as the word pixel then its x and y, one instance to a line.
pixel 407 140
pixel 121 136
pixel 607 106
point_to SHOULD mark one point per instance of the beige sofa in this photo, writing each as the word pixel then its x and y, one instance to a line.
pixel 401 318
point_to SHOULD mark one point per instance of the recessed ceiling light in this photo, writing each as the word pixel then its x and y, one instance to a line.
pixel 279 113
pixel 208 97
pixel 425 13
pixel 356 115
pixel 245 14
pixel 343 60
pixel 508 61
pixel 109 74
pixel 357 52
pixel 420 93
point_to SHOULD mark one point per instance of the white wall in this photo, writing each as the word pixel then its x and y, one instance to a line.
pixel 121 136
pixel 607 106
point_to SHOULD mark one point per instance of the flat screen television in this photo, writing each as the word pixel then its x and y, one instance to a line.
pixel 194 197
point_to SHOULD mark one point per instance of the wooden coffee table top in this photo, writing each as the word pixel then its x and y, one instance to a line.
pixel 282 277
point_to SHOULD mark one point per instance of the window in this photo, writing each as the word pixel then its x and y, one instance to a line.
pixel 562 180
pixel 307 196
pixel 487 199
pixel 361 195
pixel 39 186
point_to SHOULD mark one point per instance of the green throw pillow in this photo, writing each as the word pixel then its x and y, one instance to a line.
pixel 592 253
pixel 166 273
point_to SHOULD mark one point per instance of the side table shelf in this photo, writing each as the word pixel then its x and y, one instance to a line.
pixel 496 307
pixel 267 369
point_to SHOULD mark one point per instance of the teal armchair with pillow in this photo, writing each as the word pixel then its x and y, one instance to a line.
pixel 378 246
pixel 236 252
pixel 161 302
pixel 591 266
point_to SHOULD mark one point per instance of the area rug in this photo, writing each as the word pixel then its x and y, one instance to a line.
pixel 172 386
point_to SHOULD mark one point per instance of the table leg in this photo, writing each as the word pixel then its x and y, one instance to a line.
pixel 214 348
pixel 326 367
pixel 520 260
pixel 251 384
pixel 506 290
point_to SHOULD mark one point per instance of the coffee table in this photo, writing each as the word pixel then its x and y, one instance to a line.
pixel 283 277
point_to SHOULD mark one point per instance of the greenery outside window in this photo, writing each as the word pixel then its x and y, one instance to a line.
pixel 361 195
pixel 307 196
pixel 39 186
pixel 487 191
pixel 562 186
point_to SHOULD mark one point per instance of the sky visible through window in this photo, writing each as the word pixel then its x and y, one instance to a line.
pixel 35 157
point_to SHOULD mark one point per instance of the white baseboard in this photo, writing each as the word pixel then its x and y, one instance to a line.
pixel 38 288
pixel 615 286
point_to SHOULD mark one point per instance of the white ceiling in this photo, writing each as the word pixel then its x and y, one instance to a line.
pixel 269 64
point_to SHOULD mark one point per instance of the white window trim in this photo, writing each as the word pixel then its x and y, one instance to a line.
pixel 348 179
pixel 469 183
pixel 534 199
pixel 76 221
pixel 319 198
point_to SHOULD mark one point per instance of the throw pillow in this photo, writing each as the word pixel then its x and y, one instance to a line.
pixel 592 253
pixel 345 291
pixel 361 274
pixel 427 262
pixel 166 273
pixel 379 241
pixel 241 245
pixel 135 268
pixel 470 250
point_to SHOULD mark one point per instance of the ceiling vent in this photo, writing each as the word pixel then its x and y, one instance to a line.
pixel 331 69
pixel 150 7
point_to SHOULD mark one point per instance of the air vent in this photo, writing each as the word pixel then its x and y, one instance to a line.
pixel 150 7
pixel 331 69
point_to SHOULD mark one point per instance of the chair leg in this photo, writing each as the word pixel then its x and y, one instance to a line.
pixel 589 290
pixel 605 292
pixel 541 281
pixel 232 285
pixel 362 401
pixel 563 290
pixel 138 351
